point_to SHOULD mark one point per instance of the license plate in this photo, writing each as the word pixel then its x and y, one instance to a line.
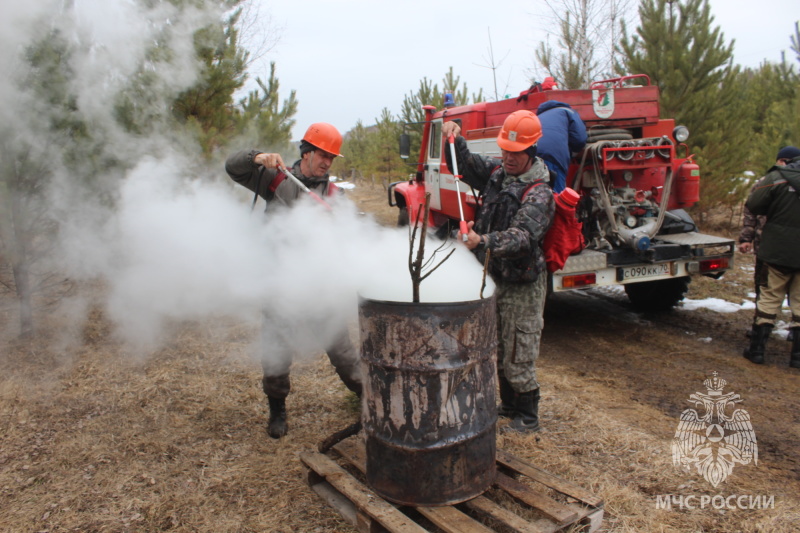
pixel 645 271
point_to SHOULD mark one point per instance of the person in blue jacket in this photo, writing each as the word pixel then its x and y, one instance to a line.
pixel 563 133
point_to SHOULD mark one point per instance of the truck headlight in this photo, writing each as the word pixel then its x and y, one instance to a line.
pixel 681 133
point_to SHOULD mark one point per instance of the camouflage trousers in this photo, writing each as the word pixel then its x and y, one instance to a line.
pixel 277 351
pixel 781 284
pixel 520 310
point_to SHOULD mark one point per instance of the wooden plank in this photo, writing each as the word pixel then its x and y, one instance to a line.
pixel 355 517
pixel 365 524
pixel 593 520
pixel 487 507
pixel 366 500
pixel 557 511
pixel 451 520
pixel 354 452
pixel 335 499
pixel 554 482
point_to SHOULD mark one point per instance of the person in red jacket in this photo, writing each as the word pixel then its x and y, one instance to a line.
pixel 259 172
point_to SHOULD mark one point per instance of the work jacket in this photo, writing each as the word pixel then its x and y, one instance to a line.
pixel 563 133
pixel 513 215
pixel 777 197
pixel 270 184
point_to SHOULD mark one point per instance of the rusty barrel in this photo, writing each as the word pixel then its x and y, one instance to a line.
pixel 429 399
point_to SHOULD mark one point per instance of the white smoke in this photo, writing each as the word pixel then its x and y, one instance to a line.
pixel 182 247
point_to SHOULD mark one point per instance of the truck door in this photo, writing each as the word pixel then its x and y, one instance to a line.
pixel 432 177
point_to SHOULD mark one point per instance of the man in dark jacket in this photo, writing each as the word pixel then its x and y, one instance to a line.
pixel 259 172
pixel 516 210
pixel 777 197
pixel 563 134
pixel 750 234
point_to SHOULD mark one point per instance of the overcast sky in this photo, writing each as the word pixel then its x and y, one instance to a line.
pixel 348 59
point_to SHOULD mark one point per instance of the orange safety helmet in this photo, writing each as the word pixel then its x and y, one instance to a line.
pixel 520 131
pixel 325 137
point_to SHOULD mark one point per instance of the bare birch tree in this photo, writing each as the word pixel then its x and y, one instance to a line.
pixel 585 34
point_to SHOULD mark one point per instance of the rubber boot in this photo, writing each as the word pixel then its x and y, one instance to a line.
pixel 276 427
pixel 758 343
pixel 526 418
pixel 794 361
pixel 507 397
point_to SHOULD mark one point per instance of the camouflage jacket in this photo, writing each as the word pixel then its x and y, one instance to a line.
pixel 514 225
pixel 752 225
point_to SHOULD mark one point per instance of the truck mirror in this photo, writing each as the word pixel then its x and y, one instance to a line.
pixel 405 145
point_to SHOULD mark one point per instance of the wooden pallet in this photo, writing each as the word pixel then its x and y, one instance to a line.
pixel 546 503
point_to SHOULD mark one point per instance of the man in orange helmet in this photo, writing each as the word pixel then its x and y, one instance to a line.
pixel 259 172
pixel 516 208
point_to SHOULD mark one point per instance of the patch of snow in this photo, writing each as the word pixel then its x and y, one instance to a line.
pixel 714 304
pixel 781 329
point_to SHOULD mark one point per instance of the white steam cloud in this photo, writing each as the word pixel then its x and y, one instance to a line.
pixel 179 247
pixel 184 249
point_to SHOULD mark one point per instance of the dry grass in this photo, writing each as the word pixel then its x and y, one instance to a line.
pixel 96 441
pixel 174 443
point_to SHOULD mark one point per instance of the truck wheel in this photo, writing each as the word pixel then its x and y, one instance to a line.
pixel 659 295
pixel 402 217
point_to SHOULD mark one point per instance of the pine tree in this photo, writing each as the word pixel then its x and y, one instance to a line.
pixel 412 115
pixel 384 147
pixel 262 120
pixel 677 47
pixel 355 150
pixel 772 93
pixel 54 135
pixel 205 106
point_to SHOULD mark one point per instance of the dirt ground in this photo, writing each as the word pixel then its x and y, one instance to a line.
pixel 93 440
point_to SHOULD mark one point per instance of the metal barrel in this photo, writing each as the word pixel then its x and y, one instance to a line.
pixel 429 399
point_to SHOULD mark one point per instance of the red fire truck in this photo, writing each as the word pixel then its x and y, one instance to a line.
pixel 634 189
